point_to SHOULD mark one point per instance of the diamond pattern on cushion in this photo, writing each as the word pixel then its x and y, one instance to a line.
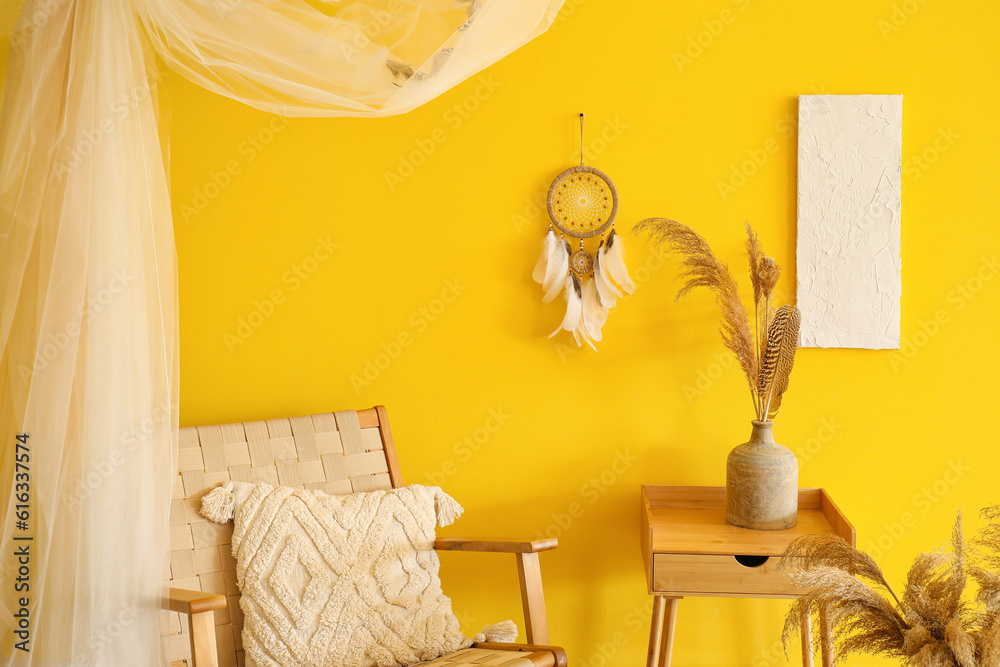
pixel 301 581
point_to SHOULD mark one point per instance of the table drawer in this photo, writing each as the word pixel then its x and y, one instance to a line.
pixel 720 575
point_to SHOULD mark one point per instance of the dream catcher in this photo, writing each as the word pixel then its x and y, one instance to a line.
pixel 582 204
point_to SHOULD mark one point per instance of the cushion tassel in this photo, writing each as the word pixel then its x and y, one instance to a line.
pixel 446 507
pixel 504 632
pixel 217 505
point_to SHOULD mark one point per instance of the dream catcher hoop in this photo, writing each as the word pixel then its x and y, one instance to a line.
pixel 582 203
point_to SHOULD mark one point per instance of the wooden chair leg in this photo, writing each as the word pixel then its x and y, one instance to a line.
pixel 669 622
pixel 805 627
pixel 826 638
pixel 533 601
pixel 202 629
pixel 655 632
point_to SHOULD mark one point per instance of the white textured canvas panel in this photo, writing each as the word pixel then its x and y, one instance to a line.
pixel 849 180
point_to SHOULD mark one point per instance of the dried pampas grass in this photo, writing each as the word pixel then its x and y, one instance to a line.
pixel 765 354
pixel 764 271
pixel 934 624
pixel 701 268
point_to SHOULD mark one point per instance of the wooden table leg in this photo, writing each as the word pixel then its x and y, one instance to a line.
pixel 667 640
pixel 805 627
pixel 655 632
pixel 826 637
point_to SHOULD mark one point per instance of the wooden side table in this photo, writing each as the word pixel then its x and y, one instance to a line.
pixel 690 550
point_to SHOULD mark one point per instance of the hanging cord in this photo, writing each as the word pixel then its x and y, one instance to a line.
pixel 581 138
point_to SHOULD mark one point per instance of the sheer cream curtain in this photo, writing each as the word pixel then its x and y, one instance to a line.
pixel 88 302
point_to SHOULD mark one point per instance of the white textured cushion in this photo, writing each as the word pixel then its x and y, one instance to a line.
pixel 339 581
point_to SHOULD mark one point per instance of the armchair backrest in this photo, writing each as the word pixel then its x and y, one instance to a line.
pixel 336 452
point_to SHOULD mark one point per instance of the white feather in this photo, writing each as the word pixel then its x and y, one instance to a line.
pixel 581 332
pixel 549 247
pixel 606 289
pixel 594 313
pixel 615 256
pixel 557 272
pixel 574 305
pixel 557 269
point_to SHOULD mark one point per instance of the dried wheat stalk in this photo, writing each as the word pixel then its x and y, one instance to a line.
pixel 764 271
pixel 932 625
pixel 755 255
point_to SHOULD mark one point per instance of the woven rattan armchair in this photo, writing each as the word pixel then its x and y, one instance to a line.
pixel 339 452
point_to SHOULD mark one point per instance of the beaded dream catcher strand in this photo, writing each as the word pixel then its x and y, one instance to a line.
pixel 582 203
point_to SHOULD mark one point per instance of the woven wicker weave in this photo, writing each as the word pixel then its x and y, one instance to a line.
pixel 340 452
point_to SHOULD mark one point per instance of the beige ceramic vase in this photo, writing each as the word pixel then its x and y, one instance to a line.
pixel 762 483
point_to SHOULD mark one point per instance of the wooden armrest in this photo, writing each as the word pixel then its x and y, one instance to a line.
pixel 193 602
pixel 528 572
pixel 558 653
pixel 495 546
pixel 200 608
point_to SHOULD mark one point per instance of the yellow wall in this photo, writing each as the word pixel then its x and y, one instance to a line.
pixel 875 433
pixel 660 402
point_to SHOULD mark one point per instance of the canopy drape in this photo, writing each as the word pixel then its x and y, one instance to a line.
pixel 88 281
